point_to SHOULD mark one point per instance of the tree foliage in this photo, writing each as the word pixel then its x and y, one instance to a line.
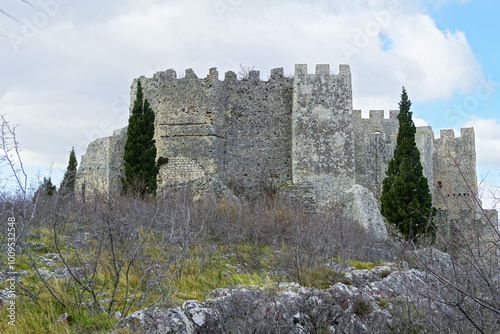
pixel 406 199
pixel 140 149
pixel 68 182
pixel 46 188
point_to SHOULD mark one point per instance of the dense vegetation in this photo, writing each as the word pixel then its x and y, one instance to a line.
pixel 121 254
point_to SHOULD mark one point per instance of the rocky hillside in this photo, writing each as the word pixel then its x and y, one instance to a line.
pixel 178 265
pixel 365 301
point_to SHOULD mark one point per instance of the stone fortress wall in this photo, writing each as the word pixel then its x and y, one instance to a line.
pixel 297 133
pixel 237 131
pixel 102 166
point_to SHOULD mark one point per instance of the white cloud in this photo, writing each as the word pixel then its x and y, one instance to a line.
pixel 489 195
pixel 429 62
pixel 487 133
pixel 443 61
pixel 419 121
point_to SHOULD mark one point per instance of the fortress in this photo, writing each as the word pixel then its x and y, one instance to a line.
pixel 298 135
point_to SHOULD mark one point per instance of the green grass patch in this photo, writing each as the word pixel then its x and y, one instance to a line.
pixel 182 274
pixel 363 265
pixel 41 317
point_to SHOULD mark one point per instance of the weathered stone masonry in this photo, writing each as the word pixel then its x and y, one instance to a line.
pixel 237 131
pixel 299 134
pixel 101 167
pixel 323 136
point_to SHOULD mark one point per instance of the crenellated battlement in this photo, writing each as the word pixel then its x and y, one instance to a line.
pixel 277 73
pixel 254 75
pixel 376 115
pixel 230 76
pixel 213 75
pixel 446 134
pixel 322 70
pixel 467 133
pixel 393 114
pixel 449 134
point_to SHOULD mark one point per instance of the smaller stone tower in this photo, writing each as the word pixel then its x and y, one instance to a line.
pixel 375 139
pixel 102 167
pixel 454 168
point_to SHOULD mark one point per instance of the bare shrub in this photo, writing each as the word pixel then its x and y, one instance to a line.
pixel 466 285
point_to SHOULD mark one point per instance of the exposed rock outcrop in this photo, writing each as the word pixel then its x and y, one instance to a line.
pixel 364 209
pixel 366 301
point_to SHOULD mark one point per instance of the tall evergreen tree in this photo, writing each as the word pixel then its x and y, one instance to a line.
pixel 406 199
pixel 68 182
pixel 140 149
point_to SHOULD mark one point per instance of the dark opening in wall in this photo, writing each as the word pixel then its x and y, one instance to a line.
pixel 440 184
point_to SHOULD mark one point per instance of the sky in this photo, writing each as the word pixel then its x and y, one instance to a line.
pixel 66 65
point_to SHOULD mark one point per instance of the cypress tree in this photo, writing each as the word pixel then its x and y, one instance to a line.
pixel 140 149
pixel 68 182
pixel 406 199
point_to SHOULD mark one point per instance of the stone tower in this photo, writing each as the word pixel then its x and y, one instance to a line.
pixel 322 131
pixel 102 167
pixel 375 139
pixel 187 127
pixel 454 166
pixel 234 130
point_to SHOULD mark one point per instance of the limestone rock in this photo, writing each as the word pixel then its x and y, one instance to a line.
pixel 211 187
pixel 365 210
pixel 157 320
pixel 63 318
pixel 372 301
pixel 365 277
pixel 193 317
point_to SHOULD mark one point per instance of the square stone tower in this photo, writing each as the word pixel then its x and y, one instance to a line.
pixel 454 168
pixel 322 131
